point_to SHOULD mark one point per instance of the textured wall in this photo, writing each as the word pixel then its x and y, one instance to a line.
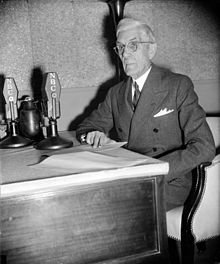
pixel 73 38
pixel 188 41
pixel 55 35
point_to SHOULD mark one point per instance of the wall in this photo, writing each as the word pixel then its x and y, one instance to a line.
pixel 75 38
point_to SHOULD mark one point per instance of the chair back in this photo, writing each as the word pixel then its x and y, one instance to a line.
pixel 206 220
pixel 214 124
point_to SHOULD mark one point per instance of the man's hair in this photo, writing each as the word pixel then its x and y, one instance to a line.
pixel 129 23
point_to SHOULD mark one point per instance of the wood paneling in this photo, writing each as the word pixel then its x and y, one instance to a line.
pixel 123 220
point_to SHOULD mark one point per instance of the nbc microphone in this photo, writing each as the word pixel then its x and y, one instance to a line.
pixel 10 93
pixel 13 140
pixel 51 97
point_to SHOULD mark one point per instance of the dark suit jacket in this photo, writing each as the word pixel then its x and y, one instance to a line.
pixel 168 123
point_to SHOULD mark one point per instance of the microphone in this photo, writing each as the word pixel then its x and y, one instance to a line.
pixel 51 107
pixel 52 96
pixel 13 140
pixel 10 93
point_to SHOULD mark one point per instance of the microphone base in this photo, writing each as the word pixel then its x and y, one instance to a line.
pixel 14 141
pixel 54 143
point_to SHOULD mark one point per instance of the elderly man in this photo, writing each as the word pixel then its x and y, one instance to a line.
pixel 155 110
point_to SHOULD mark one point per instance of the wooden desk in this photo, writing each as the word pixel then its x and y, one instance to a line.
pixel 48 218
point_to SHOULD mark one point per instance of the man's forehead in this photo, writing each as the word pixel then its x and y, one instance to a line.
pixel 129 34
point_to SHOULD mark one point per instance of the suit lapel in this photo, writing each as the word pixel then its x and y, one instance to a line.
pixel 125 98
pixel 125 105
pixel 151 97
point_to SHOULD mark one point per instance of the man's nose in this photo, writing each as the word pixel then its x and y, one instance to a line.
pixel 126 52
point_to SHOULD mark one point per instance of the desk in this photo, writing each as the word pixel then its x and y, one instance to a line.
pixel 48 218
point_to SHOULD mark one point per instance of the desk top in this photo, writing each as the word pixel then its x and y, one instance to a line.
pixel 16 169
pixel 15 162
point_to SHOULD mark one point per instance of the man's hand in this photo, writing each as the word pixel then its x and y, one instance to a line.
pixel 97 139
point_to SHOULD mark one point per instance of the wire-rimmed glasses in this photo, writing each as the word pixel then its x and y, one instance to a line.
pixel 132 46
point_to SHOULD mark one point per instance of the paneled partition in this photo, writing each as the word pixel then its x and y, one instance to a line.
pixel 75 38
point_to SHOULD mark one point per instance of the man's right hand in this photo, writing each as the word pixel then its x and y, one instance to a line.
pixel 97 139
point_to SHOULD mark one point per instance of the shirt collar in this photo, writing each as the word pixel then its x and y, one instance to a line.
pixel 141 80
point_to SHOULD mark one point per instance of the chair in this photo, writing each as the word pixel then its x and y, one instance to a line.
pixel 199 219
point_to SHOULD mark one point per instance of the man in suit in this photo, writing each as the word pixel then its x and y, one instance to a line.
pixel 164 122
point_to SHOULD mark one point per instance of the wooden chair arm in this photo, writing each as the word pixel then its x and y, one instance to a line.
pixel 189 209
pixel 191 203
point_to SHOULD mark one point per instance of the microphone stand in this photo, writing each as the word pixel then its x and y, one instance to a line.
pixel 14 140
pixel 54 141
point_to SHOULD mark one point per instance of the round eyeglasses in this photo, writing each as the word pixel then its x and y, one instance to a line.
pixel 132 46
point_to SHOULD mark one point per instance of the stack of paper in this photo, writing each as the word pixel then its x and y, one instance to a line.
pixel 84 161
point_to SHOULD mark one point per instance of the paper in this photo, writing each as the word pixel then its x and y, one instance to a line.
pixel 109 146
pixel 86 147
pixel 85 161
pixel 112 145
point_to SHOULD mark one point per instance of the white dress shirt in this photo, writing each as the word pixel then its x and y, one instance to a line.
pixel 140 81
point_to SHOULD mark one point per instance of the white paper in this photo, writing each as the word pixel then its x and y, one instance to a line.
pixel 84 161
pixel 109 146
pixel 86 147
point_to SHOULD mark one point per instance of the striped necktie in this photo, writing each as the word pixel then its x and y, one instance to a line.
pixel 136 95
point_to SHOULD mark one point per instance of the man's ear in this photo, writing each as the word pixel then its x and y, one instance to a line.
pixel 152 50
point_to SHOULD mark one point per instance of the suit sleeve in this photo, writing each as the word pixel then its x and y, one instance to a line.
pixel 100 119
pixel 197 138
